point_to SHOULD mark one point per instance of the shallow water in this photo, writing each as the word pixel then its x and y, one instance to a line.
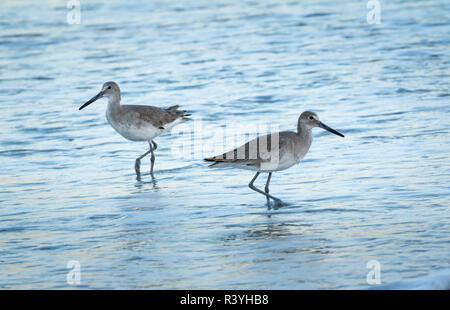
pixel 69 190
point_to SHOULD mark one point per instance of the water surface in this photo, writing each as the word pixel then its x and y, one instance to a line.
pixel 68 190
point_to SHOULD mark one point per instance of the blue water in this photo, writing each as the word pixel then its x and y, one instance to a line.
pixel 68 190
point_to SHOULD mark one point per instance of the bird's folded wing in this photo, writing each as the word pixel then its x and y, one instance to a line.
pixel 154 115
pixel 251 153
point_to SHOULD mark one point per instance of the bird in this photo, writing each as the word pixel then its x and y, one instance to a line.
pixel 138 122
pixel 273 152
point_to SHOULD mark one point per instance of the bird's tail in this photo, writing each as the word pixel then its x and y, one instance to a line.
pixel 209 159
pixel 182 113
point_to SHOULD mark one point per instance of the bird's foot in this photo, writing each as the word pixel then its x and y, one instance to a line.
pixel 278 203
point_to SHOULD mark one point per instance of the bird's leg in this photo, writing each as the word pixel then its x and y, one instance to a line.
pixel 266 189
pixel 260 191
pixel 137 164
pixel 155 146
pixel 152 158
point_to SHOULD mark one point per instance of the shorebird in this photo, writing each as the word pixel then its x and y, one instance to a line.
pixel 138 122
pixel 274 152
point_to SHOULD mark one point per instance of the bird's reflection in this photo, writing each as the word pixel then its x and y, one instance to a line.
pixel 268 231
pixel 141 185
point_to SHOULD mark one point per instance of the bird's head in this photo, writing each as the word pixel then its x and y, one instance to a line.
pixel 109 90
pixel 310 120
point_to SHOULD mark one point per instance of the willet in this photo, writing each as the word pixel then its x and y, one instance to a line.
pixel 138 122
pixel 274 152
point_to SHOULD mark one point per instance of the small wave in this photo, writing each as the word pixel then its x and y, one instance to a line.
pixel 319 14
pixel 185 87
pixel 436 281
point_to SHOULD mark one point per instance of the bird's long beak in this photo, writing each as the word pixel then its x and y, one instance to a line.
pixel 322 125
pixel 96 97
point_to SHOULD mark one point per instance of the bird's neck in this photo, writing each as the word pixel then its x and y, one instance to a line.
pixel 114 102
pixel 303 130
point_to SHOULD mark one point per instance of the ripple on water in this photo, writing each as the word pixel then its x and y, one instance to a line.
pixel 69 190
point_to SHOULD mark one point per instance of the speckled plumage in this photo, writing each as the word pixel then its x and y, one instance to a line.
pixel 275 152
pixel 138 122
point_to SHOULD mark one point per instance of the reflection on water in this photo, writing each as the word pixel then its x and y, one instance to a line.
pixel 68 190
pixel 267 231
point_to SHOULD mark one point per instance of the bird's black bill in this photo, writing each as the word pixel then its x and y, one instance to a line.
pixel 322 125
pixel 96 97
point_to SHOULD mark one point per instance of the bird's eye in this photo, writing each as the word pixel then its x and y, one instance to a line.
pixel 311 117
pixel 109 87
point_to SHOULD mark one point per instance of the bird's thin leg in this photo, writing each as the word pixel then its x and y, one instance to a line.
pixel 155 146
pixel 266 189
pixel 258 190
pixel 152 158
pixel 137 164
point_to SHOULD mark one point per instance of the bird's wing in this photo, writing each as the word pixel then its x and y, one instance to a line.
pixel 156 116
pixel 254 152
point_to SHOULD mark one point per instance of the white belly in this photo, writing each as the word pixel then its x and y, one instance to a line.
pixel 283 163
pixel 144 132
pixel 133 133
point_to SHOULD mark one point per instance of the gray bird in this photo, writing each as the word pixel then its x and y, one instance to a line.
pixel 138 122
pixel 275 152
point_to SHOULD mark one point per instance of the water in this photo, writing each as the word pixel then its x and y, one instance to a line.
pixel 69 191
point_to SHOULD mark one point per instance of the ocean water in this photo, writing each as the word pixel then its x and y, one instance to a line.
pixel 68 190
